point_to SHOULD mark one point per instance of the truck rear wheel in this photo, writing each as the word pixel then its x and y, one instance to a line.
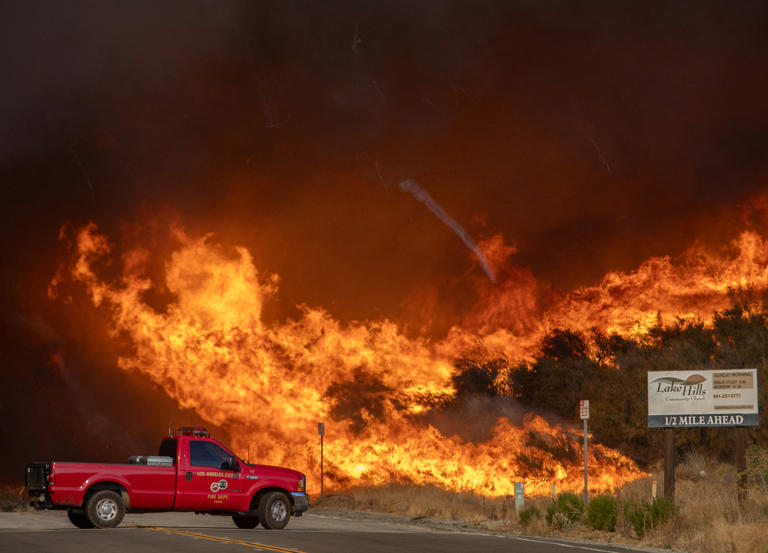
pixel 79 519
pixel 274 510
pixel 244 521
pixel 105 509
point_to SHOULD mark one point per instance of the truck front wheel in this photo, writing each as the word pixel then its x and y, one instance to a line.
pixel 79 519
pixel 242 521
pixel 274 510
pixel 105 509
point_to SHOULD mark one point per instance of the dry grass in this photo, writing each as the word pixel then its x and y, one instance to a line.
pixel 423 501
pixel 710 518
pixel 13 498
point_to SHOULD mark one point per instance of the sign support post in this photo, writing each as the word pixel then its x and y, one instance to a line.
pixel 584 413
pixel 321 431
pixel 741 462
pixel 669 463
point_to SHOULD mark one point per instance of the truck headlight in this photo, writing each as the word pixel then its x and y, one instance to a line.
pixel 302 487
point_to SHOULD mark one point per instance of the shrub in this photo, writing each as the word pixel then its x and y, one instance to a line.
pixel 527 515
pixel 662 510
pixel 560 522
pixel 644 516
pixel 637 515
pixel 602 513
pixel 568 506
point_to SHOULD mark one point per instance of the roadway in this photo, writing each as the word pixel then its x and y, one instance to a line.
pixel 316 532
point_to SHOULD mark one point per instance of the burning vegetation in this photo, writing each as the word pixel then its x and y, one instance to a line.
pixel 469 411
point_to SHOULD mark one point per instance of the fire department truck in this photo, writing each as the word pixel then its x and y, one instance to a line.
pixel 191 472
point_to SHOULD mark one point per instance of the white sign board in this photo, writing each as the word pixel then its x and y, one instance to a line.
pixel 702 398
pixel 584 409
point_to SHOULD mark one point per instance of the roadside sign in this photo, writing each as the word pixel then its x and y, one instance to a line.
pixel 584 414
pixel 702 398
pixel 321 428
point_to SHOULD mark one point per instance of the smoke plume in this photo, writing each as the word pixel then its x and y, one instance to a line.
pixel 423 196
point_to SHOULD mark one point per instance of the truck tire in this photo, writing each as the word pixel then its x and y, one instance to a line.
pixel 105 509
pixel 245 521
pixel 79 519
pixel 274 510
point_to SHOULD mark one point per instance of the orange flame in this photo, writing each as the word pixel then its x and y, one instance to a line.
pixel 658 291
pixel 269 384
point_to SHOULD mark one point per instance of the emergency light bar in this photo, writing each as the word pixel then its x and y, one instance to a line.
pixel 199 431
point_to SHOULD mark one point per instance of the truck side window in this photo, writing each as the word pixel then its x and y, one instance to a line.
pixel 206 454
pixel 168 449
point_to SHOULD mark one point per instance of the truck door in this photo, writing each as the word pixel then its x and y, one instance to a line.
pixel 208 485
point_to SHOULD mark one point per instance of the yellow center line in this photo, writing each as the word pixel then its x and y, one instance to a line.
pixel 253 545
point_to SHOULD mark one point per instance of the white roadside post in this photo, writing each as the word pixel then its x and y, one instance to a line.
pixel 584 413
pixel 519 497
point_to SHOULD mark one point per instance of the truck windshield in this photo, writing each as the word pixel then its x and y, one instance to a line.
pixel 207 454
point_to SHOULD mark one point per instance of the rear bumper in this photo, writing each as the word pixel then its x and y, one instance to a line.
pixel 300 502
pixel 40 500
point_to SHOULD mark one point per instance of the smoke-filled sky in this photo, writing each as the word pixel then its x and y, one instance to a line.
pixel 590 135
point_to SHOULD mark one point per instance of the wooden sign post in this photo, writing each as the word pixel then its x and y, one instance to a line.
pixel 669 463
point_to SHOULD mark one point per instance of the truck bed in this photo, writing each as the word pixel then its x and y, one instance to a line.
pixel 150 487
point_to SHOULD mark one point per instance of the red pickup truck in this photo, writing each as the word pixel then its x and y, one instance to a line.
pixel 192 472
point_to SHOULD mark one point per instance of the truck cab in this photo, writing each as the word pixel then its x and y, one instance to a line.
pixel 192 472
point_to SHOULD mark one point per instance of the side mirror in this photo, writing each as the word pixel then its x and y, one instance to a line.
pixel 230 464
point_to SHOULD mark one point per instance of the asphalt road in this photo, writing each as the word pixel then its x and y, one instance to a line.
pixel 315 532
